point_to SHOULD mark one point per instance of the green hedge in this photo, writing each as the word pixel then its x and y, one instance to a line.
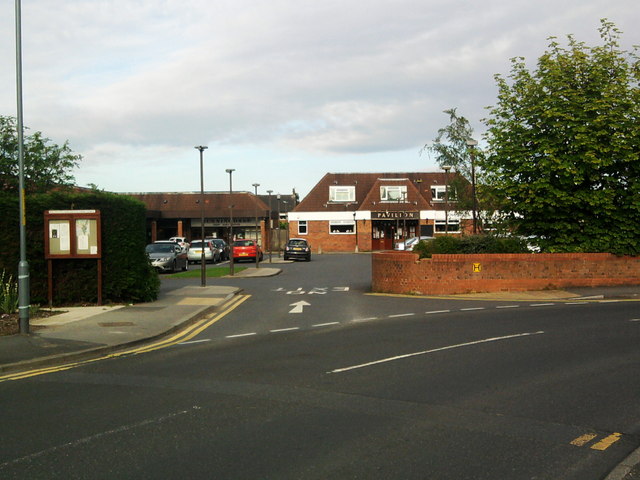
pixel 471 244
pixel 126 273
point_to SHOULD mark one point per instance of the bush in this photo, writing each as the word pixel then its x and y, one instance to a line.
pixel 470 244
pixel 127 275
pixel 8 293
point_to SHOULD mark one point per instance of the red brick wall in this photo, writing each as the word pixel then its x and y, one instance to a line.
pixel 322 241
pixel 402 272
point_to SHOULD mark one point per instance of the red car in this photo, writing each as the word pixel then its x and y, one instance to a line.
pixel 246 250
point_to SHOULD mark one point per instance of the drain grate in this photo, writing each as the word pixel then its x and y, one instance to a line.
pixel 116 324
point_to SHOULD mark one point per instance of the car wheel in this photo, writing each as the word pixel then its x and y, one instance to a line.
pixel 186 266
pixel 173 267
pixel 309 258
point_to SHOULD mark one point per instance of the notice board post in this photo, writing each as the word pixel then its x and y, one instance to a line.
pixel 72 234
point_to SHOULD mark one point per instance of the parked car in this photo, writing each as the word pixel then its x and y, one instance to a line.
pixel 222 246
pixel 171 242
pixel 246 250
pixel 167 256
pixel 297 248
pixel 182 241
pixel 409 243
pixel 211 254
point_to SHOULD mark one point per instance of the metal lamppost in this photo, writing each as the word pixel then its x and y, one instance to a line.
pixel 286 233
pixel 471 143
pixel 23 265
pixel 446 169
pixel 230 172
pixel 203 261
pixel 270 228
pixel 255 186
pixel 278 209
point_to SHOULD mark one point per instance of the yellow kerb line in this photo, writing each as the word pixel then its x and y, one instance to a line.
pixel 184 335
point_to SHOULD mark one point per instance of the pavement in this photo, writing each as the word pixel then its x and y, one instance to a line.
pixel 82 333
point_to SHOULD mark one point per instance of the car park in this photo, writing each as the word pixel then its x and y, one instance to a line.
pixel 222 246
pixel 409 243
pixel 211 253
pixel 297 248
pixel 167 256
pixel 246 250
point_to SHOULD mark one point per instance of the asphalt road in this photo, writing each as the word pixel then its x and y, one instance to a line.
pixel 347 385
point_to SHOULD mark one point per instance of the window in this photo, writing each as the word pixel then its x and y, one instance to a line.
pixel 342 226
pixel 454 226
pixel 439 192
pixel 395 193
pixel 302 227
pixel 342 193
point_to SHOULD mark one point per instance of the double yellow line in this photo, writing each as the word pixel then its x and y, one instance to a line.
pixel 182 336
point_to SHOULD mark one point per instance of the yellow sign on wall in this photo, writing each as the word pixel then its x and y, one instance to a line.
pixel 477 268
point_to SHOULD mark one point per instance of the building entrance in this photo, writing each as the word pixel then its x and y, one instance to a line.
pixel 386 234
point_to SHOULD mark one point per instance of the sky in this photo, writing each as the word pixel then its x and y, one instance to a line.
pixel 282 91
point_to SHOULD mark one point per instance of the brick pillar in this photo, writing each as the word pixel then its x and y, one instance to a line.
pixel 154 231
pixel 180 234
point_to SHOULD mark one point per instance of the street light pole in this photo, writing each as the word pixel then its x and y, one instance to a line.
pixel 270 222
pixel 471 143
pixel 255 186
pixel 203 261
pixel 446 169
pixel 230 172
pixel 278 209
pixel 23 265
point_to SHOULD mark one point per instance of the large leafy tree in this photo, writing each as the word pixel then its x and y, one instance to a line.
pixel 564 146
pixel 46 164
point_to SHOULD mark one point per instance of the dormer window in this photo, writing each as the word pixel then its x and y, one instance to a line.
pixel 439 193
pixel 342 193
pixel 393 193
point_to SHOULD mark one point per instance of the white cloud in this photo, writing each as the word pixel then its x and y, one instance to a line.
pixel 332 82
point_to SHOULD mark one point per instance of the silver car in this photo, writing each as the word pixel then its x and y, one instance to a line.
pixel 211 253
pixel 167 257
pixel 410 243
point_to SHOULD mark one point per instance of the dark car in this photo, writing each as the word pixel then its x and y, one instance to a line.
pixel 222 246
pixel 297 248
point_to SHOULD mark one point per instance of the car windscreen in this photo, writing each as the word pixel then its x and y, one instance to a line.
pixel 297 243
pixel 243 243
pixel 160 248
pixel 197 244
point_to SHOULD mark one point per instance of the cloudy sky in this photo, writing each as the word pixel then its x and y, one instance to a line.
pixel 281 90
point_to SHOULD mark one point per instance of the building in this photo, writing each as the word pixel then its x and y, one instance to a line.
pixel 172 214
pixel 347 212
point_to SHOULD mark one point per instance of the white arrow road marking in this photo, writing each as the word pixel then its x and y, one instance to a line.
pixel 408 355
pixel 298 306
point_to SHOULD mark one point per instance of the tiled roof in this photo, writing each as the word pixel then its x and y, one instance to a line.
pixel 187 204
pixel 368 191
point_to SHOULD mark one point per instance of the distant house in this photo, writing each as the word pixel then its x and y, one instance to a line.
pixel 348 212
pixel 178 214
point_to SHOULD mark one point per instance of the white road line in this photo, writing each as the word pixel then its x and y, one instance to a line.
pixel 576 303
pixel 195 341
pixel 284 329
pixel 471 309
pixel 507 306
pixel 364 319
pixel 437 311
pixel 325 324
pixel 408 355
pixel 242 335
pixel 635 320
pixel 541 304
pixel 402 315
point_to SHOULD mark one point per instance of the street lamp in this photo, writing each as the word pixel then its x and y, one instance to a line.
pixel 230 172
pixel 255 186
pixel 446 169
pixel 270 229
pixel 203 266
pixel 23 265
pixel 471 143
pixel 278 209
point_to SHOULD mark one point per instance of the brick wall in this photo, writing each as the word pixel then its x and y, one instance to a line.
pixel 322 241
pixel 402 272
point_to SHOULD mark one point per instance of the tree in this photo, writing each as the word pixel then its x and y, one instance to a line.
pixel 564 147
pixel 46 165
pixel 451 148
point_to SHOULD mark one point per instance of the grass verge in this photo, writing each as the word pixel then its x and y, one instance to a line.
pixel 212 272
